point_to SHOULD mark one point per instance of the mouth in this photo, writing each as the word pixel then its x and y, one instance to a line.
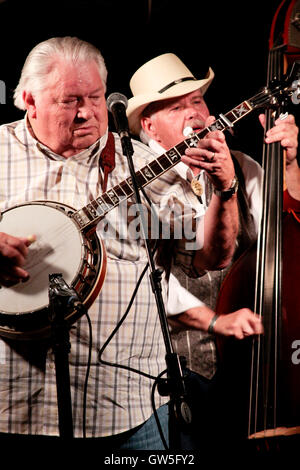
pixel 188 130
pixel 197 125
pixel 82 131
pixel 193 127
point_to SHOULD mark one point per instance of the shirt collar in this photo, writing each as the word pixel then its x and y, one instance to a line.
pixel 83 155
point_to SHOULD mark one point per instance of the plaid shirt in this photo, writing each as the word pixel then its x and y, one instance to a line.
pixel 117 399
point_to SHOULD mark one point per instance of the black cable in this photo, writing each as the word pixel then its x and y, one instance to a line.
pixel 156 379
pixel 155 412
pixel 87 375
pixel 126 313
pixel 101 350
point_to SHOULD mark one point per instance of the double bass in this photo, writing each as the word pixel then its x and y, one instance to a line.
pixel 264 372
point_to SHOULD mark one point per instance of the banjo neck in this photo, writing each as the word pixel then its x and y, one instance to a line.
pixel 87 217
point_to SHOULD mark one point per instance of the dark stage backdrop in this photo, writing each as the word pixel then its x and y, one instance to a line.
pixel 230 36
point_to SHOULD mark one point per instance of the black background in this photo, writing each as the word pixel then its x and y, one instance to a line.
pixel 232 37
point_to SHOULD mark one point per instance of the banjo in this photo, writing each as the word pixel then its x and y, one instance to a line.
pixel 66 239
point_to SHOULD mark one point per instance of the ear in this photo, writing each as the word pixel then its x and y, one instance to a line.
pixel 29 103
pixel 149 127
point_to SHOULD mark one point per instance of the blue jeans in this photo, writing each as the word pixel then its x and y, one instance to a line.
pixel 143 437
pixel 147 436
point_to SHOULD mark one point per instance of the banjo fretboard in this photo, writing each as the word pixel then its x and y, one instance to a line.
pixel 90 214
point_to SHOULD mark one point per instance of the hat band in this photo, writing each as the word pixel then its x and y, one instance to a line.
pixel 185 79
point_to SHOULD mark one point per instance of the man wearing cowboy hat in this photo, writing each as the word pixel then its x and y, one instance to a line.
pixel 167 104
pixel 151 87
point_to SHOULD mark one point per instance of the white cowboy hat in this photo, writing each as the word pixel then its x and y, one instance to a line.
pixel 163 77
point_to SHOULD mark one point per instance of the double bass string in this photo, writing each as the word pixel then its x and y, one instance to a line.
pixel 264 374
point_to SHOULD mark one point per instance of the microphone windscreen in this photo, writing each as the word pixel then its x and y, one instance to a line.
pixel 115 98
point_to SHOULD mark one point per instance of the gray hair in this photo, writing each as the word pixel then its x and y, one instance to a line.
pixel 40 62
pixel 145 138
pixel 149 111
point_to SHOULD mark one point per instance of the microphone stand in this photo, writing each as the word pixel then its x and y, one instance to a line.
pixel 179 411
pixel 61 299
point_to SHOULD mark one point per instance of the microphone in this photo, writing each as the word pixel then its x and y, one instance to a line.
pixel 117 104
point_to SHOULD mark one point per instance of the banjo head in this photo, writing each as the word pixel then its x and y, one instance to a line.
pixel 60 247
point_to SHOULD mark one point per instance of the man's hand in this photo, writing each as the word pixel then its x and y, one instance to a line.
pixel 286 132
pixel 239 324
pixel 13 253
pixel 212 155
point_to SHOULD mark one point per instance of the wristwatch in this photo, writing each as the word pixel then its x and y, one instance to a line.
pixel 228 193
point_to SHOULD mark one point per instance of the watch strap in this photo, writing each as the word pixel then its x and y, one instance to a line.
pixel 228 193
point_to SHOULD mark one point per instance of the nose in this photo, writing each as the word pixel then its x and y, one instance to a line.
pixel 191 112
pixel 85 110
